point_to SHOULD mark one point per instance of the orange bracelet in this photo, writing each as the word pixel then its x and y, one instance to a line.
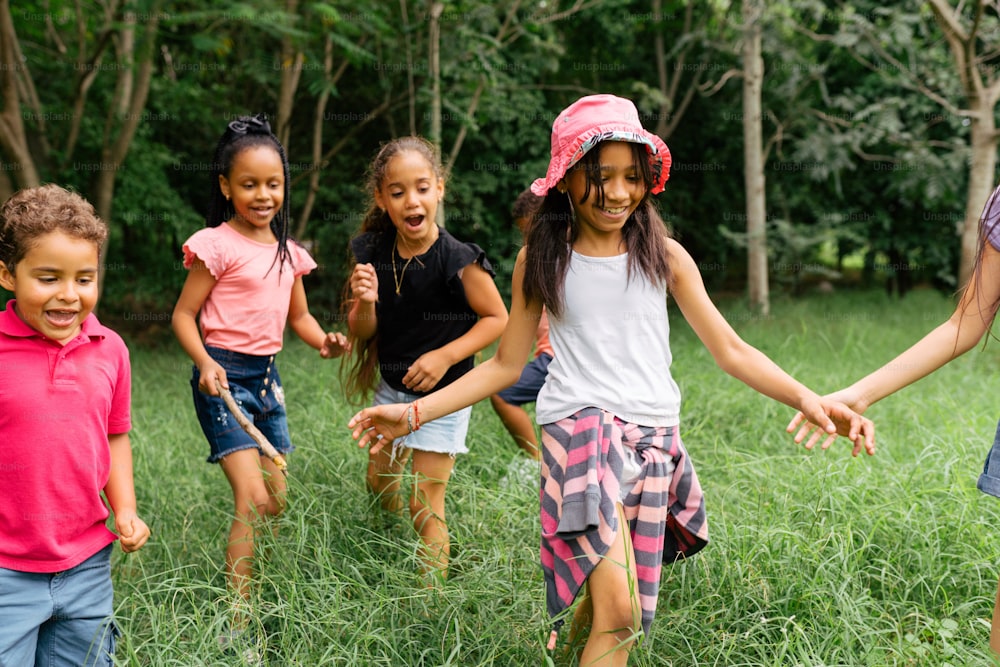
pixel 416 416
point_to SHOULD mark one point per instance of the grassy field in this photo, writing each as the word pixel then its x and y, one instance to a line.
pixel 816 558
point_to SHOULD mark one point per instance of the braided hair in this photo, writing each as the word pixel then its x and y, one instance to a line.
pixel 242 133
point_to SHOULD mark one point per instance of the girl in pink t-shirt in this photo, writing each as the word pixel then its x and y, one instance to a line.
pixel 244 284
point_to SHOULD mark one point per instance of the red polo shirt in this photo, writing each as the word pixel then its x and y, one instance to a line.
pixel 58 403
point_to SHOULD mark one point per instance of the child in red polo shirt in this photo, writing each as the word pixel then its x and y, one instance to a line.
pixel 65 388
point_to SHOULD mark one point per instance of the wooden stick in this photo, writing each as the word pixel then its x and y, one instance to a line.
pixel 254 432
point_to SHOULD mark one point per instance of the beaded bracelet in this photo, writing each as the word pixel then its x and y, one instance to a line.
pixel 413 417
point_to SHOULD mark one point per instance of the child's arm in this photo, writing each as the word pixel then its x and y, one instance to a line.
pixel 502 370
pixel 361 319
pixel 482 295
pixel 751 366
pixel 197 285
pixel 949 340
pixel 120 492
pixel 308 329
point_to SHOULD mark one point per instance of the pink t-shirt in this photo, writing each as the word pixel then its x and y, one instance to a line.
pixel 542 344
pixel 58 403
pixel 247 309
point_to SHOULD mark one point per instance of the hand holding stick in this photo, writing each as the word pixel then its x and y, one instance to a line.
pixel 258 437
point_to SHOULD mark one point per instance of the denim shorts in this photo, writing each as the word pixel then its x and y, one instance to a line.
pixel 526 389
pixel 256 387
pixel 445 435
pixel 989 481
pixel 59 620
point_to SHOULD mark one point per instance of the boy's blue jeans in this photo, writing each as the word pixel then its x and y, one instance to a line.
pixel 58 620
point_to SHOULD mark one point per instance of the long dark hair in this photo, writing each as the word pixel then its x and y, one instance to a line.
pixel 243 133
pixel 554 229
pixel 359 376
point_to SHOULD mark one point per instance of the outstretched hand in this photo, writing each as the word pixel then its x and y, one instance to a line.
pixel 379 425
pixel 334 345
pixel 827 417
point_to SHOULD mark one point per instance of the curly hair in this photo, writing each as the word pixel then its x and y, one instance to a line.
pixel 32 213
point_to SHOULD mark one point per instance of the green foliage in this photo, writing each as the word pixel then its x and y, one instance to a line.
pixel 850 139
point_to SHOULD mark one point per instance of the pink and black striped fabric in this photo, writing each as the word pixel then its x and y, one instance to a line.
pixel 582 461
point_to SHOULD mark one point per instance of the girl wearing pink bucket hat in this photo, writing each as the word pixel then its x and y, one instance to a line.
pixel 619 495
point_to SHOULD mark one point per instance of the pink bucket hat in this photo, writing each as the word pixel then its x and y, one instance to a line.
pixel 591 120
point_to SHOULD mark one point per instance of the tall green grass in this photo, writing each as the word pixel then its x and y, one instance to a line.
pixel 816 558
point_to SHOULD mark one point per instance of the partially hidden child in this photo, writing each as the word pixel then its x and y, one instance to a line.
pixel 972 319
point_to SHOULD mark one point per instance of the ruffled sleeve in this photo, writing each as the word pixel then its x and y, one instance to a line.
pixel 303 261
pixel 206 245
pixel 458 255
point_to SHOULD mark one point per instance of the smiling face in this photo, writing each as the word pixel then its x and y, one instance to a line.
pixel 409 193
pixel 256 185
pixel 55 284
pixel 605 194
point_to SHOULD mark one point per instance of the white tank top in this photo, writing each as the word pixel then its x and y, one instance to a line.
pixel 611 347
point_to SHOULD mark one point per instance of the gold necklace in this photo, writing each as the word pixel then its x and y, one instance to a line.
pixel 402 272
pixel 399 279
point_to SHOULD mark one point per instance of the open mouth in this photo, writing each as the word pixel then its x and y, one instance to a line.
pixel 414 221
pixel 60 318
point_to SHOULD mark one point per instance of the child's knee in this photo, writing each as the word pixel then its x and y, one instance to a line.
pixel 624 622
pixel 428 495
pixel 421 510
pixel 276 504
pixel 619 615
pixel 257 503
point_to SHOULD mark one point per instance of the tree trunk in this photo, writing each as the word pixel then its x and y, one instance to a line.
pixel 982 90
pixel 13 138
pixel 671 108
pixel 317 155
pixel 434 61
pixel 753 159
pixel 411 104
pixel 292 59
pixel 983 142
pixel 434 66
pixel 6 185
pixel 116 145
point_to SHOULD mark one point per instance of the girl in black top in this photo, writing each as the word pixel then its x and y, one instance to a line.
pixel 421 304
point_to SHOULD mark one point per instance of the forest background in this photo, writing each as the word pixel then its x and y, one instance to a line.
pixel 864 134
pixel 847 144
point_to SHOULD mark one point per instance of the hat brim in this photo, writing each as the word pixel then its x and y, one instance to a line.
pixel 657 151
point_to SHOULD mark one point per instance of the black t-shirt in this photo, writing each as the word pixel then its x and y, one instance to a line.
pixel 430 310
